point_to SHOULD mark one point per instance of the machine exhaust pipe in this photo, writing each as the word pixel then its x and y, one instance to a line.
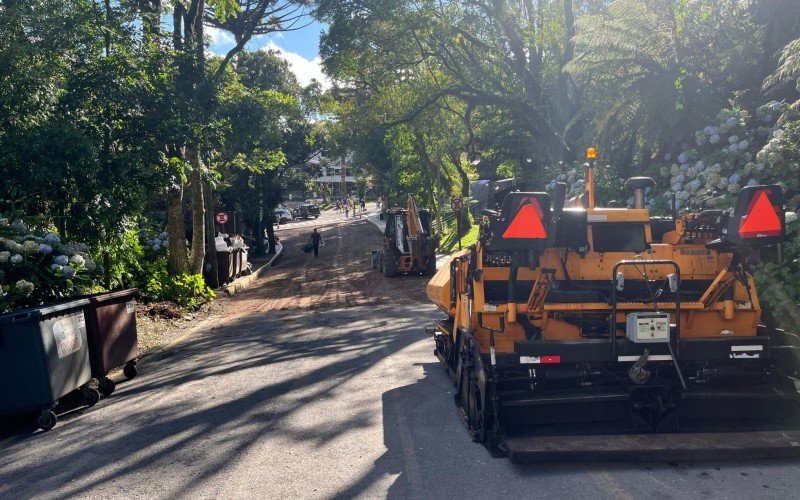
pixel 639 186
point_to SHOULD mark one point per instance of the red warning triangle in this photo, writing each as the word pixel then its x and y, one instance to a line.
pixel 527 224
pixel 761 220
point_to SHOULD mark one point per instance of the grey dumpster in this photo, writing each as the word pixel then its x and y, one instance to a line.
pixel 44 356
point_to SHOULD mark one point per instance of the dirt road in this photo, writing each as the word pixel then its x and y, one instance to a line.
pixel 342 275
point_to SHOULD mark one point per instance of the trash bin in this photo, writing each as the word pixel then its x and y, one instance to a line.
pixel 111 331
pixel 44 356
pixel 225 266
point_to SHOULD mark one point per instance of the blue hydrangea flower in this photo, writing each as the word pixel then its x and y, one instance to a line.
pixel 56 267
pixel 734 178
pixel 752 182
pixel 775 106
pixel 714 139
pixel 731 121
pixel 767 118
pixel 45 249
pixel 61 260
pixel 743 145
pixel 683 157
pixel 685 167
pixel 68 272
pixel 733 139
pixel 668 157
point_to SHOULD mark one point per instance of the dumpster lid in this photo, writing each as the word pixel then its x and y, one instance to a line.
pixel 43 310
pixel 130 293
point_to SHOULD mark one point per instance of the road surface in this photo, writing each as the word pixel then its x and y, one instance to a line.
pixel 319 383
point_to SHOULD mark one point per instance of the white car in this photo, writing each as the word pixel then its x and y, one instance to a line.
pixel 283 215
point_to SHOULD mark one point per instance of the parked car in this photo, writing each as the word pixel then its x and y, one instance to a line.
pixel 307 211
pixel 283 215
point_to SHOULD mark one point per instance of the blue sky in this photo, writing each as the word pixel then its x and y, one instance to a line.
pixel 300 48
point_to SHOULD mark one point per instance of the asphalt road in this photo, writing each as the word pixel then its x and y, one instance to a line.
pixel 332 398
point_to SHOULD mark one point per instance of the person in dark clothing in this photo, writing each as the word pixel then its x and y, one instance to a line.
pixel 316 239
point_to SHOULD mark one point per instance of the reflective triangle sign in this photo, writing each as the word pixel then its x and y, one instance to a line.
pixel 761 220
pixel 527 223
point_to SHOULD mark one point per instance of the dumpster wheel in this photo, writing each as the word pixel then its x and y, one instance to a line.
pixel 47 420
pixel 90 396
pixel 130 371
pixel 106 386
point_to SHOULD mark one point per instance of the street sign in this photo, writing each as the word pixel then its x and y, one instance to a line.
pixel 222 217
pixel 456 203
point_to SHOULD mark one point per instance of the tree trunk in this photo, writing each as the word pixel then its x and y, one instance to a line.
pixel 198 251
pixel 261 220
pixel 178 263
pixel 211 254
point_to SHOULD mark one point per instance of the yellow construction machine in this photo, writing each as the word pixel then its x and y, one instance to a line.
pixel 408 246
pixel 579 332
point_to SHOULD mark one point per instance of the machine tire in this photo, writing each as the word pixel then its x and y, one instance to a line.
pixel 106 386
pixel 91 396
pixel 46 420
pixel 130 371
pixel 389 266
pixel 430 268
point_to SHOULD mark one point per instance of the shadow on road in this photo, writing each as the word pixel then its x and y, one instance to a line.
pixel 221 410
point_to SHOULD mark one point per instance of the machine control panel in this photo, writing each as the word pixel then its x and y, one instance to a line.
pixel 648 327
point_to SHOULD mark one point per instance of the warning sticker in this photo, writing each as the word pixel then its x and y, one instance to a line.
pixel 130 306
pixel 67 334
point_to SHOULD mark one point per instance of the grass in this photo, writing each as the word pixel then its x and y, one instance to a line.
pixel 449 242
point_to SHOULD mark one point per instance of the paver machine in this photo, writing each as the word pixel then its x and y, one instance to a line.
pixel 581 333
pixel 408 246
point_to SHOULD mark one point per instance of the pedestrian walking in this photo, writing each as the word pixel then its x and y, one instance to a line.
pixel 346 210
pixel 363 205
pixel 316 241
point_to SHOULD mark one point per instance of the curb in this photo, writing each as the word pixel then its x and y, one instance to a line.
pixel 243 282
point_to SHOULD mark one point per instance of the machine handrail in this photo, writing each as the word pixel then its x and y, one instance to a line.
pixel 613 320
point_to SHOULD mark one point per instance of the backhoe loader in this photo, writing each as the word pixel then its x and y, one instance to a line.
pixel 408 246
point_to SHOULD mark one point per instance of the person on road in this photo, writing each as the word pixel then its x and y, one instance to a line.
pixel 316 240
pixel 346 210
pixel 363 205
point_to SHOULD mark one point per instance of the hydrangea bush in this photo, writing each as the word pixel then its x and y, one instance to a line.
pixel 37 267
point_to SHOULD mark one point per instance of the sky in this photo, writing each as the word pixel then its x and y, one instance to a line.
pixel 300 48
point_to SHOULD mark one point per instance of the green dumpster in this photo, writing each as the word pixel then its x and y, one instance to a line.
pixel 43 357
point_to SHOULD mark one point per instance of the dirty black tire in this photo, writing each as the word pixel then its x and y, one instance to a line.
pixel 389 266
pixel 130 371
pixel 91 396
pixel 46 420
pixel 106 386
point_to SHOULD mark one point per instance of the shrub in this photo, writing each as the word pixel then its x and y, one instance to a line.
pixel 36 267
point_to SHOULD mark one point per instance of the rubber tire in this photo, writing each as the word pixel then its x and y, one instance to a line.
pixel 389 266
pixel 106 386
pixel 46 420
pixel 130 371
pixel 91 396
pixel 430 269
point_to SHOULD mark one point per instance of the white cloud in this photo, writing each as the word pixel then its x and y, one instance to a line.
pixel 303 68
pixel 219 37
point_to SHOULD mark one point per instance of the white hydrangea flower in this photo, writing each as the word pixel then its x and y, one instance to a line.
pixel 77 260
pixel 16 258
pixel 5 257
pixel 791 217
pixel 3 222
pixel 55 267
pixel 24 288
pixel 30 246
